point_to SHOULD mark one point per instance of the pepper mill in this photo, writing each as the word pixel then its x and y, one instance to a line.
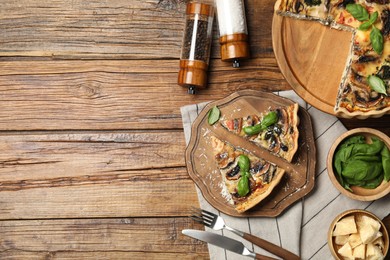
pixel 233 31
pixel 195 52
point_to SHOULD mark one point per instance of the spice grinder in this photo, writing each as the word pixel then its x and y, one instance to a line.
pixel 196 45
pixel 233 30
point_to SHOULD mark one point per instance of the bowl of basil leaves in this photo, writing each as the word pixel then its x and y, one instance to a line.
pixel 358 164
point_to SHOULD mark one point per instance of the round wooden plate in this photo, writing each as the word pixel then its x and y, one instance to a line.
pixel 358 193
pixel 312 58
pixel 296 183
pixel 358 214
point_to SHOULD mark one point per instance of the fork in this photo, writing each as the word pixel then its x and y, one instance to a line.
pixel 216 222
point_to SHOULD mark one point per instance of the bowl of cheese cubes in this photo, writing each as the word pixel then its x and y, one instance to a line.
pixel 358 234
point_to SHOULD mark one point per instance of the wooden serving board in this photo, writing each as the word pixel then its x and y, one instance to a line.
pixel 298 179
pixel 312 58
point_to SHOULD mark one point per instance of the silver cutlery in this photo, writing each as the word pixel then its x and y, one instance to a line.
pixel 216 222
pixel 224 242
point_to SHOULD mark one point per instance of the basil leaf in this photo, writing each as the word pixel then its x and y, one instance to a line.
pixel 344 154
pixel 358 12
pixel 377 84
pixel 269 119
pixel 376 38
pixel 214 115
pixel 347 187
pixel 357 170
pixel 366 25
pixel 357 139
pixel 243 163
pixel 385 153
pixel 367 158
pixel 368 149
pixel 372 184
pixel 243 186
pixel 360 172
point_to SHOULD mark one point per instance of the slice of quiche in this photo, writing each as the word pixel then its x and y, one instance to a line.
pixel 275 130
pixel 245 187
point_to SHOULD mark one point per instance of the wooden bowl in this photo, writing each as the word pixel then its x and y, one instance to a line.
pixel 358 213
pixel 359 193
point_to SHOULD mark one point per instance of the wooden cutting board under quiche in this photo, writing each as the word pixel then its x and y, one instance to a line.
pixel 336 53
pixel 252 148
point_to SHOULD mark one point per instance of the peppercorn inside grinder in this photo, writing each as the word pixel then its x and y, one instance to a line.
pixel 233 31
pixel 195 52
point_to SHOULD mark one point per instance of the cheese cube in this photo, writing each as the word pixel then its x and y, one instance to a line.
pixel 354 240
pixel 359 252
pixel 379 242
pixel 368 220
pixel 368 233
pixel 374 253
pixel 346 251
pixel 345 226
pixel 341 240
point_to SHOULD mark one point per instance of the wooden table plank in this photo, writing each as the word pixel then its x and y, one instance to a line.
pixel 108 238
pixel 102 174
pixel 160 195
pixel 15 254
pixel 43 95
pixel 89 29
pixel 116 29
pixel 93 154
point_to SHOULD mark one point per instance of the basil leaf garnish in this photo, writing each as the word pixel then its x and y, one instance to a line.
pixel 243 186
pixel 269 119
pixel 376 38
pixel 377 84
pixel 366 25
pixel 244 163
pixel 358 12
pixel 214 115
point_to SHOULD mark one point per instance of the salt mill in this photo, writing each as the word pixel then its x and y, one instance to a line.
pixel 233 30
pixel 195 52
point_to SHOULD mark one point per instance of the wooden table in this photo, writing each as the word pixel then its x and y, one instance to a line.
pixel 91 138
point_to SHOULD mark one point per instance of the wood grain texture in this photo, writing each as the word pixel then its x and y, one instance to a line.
pixel 94 175
pixel 42 95
pixel 120 238
pixel 92 255
pixel 116 29
pixel 309 59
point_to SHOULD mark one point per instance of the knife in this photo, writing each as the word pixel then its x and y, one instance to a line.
pixel 224 242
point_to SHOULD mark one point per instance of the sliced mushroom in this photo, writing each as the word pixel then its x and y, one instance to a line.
pixel 234 173
pixel 366 99
pixel 298 6
pixel 251 120
pixel 384 72
pixel 259 169
pixel 268 176
pixel 274 145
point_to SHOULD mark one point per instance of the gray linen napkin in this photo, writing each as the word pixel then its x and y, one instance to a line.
pixel 301 228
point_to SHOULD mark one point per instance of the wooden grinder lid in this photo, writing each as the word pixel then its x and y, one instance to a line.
pixel 192 74
pixel 234 46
